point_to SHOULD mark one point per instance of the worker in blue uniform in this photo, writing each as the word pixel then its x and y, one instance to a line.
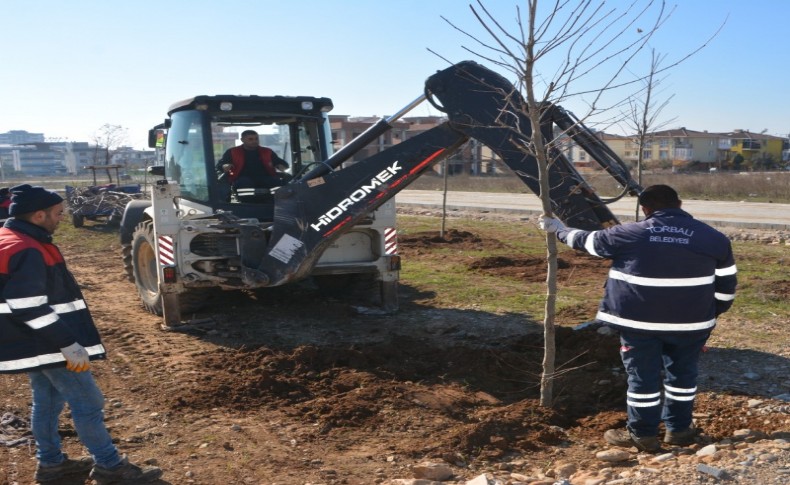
pixel 671 277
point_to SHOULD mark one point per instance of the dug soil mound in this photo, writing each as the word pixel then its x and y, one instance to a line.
pixel 487 396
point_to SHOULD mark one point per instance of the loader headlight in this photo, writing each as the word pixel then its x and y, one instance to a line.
pixel 225 106
pixel 307 105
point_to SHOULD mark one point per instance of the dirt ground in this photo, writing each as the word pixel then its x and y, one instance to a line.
pixel 292 386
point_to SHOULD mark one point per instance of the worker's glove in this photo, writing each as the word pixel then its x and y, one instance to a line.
pixel 550 224
pixel 77 359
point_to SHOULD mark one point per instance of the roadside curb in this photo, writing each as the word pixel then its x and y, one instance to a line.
pixel 530 213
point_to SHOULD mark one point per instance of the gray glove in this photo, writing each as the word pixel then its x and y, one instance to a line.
pixel 77 359
pixel 550 224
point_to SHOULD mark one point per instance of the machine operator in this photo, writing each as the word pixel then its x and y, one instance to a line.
pixel 250 165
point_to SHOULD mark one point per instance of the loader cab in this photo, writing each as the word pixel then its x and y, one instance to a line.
pixel 201 129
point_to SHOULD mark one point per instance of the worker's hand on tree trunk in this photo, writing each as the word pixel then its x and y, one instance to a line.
pixel 550 224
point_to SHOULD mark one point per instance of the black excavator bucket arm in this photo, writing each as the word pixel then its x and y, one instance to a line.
pixel 484 105
pixel 324 203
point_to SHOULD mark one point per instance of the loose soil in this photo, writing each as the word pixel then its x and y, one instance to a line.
pixel 293 386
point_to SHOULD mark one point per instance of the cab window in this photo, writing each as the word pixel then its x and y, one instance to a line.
pixel 185 160
pixel 297 141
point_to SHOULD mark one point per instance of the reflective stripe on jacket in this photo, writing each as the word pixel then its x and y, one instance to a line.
pixel 41 306
pixel 670 272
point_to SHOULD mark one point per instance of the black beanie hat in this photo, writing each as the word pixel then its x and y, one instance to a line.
pixel 26 198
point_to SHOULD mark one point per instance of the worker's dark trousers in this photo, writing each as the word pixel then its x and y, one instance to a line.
pixel 645 356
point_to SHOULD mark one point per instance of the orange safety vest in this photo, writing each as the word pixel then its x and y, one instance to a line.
pixel 237 156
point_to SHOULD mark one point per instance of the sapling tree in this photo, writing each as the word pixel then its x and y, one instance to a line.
pixel 577 51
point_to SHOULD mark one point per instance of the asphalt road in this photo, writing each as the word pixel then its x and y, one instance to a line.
pixel 755 215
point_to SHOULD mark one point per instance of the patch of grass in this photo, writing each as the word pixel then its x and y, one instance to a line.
pixel 764 280
pixel 92 236
pixel 442 274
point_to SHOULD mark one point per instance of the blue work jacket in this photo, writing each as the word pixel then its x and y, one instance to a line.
pixel 670 272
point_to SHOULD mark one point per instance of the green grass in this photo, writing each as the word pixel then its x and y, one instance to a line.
pixel 94 236
pixel 442 275
pixel 764 280
pixel 443 272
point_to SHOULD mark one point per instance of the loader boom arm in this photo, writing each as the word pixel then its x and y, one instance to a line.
pixel 324 203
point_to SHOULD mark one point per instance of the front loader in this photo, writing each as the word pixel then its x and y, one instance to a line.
pixel 333 217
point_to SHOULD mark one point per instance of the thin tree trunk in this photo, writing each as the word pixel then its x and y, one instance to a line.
pixel 444 199
pixel 639 161
pixel 549 347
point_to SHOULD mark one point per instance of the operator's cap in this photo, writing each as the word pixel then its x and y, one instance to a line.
pixel 26 198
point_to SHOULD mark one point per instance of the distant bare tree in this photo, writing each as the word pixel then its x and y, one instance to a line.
pixel 643 110
pixel 107 140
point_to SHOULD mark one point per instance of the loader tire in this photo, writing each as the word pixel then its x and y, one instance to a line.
pixel 144 273
pixel 144 267
pixel 126 255
pixel 77 220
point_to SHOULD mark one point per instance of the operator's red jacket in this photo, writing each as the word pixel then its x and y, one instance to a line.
pixel 237 160
pixel 41 306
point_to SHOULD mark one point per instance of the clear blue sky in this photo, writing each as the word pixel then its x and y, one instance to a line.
pixel 68 67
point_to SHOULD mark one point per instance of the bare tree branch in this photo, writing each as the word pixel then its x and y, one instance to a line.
pixel 107 139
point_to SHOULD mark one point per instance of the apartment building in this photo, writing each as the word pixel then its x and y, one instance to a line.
pixel 682 148
pixel 472 158
pixel 743 149
pixel 345 128
pixel 677 148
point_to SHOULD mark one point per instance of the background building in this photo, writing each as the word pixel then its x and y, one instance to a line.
pixel 19 137
pixel 24 154
pixel 742 149
pixel 473 158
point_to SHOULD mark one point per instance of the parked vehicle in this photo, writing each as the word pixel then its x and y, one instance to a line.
pixel 333 221
pixel 100 202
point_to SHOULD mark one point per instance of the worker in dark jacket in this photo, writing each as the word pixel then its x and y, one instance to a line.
pixel 5 201
pixel 250 165
pixel 47 331
pixel 671 276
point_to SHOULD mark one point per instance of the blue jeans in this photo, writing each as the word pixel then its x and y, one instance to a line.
pixel 52 388
pixel 646 357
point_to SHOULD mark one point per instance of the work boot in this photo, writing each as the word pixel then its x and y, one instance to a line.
pixel 66 468
pixel 125 472
pixel 681 438
pixel 626 439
